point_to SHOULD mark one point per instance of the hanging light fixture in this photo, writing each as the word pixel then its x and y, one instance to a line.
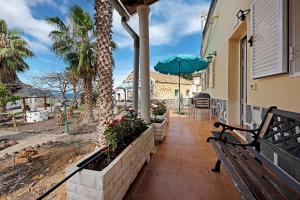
pixel 242 14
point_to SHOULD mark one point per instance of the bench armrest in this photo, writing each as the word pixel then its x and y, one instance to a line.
pixel 231 128
pixel 228 142
pixel 226 127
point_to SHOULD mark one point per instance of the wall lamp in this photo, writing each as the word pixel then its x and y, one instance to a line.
pixel 214 53
pixel 211 56
pixel 242 14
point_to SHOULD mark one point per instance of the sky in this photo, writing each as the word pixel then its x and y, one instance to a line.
pixel 175 28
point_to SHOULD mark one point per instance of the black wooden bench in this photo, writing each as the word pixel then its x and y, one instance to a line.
pixel 255 176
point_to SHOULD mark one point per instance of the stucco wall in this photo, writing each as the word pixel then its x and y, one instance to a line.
pixel 223 36
pixel 217 39
pixel 167 90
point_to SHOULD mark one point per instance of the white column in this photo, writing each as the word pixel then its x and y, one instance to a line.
pixel 143 12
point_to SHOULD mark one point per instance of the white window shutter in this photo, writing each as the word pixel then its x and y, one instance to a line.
pixel 294 37
pixel 269 29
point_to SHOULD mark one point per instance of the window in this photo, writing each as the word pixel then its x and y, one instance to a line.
pixel 187 93
pixel 211 74
pixel 294 37
pixel 176 92
pixel 204 80
pixel 269 29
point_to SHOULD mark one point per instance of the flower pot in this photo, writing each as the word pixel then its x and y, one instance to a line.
pixel 164 116
pixel 113 181
pixel 160 130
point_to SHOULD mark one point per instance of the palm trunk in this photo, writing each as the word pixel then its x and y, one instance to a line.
pixel 88 105
pixel 74 102
pixel 103 17
pixel 2 109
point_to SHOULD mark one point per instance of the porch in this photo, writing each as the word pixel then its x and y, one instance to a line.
pixel 181 167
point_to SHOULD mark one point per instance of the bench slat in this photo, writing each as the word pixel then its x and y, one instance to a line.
pixel 271 177
pixel 255 186
pixel 236 178
pixel 292 185
pixel 256 171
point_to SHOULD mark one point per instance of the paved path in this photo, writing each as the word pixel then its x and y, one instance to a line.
pixel 181 167
pixel 27 139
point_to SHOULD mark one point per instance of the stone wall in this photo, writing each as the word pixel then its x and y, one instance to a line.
pixel 167 90
pixel 112 182
pixel 219 109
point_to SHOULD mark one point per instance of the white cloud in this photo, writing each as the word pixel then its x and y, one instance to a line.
pixel 18 14
pixel 169 22
pixel 60 5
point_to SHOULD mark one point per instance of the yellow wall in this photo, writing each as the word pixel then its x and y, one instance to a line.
pixel 217 39
pixel 223 37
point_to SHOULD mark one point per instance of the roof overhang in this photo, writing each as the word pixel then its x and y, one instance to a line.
pixel 131 5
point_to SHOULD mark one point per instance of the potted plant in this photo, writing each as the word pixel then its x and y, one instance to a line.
pixel 162 111
pixel 159 121
pixel 130 143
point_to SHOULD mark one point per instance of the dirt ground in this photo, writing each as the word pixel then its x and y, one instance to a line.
pixel 27 178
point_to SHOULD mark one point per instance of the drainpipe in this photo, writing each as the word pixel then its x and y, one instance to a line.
pixel 116 4
pixel 136 39
pixel 125 17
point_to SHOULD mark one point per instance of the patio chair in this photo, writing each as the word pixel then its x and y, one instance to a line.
pixel 186 103
pixel 202 104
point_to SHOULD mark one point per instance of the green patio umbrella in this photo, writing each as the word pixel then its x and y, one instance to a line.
pixel 181 64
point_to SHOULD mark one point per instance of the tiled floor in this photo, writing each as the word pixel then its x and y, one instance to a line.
pixel 180 169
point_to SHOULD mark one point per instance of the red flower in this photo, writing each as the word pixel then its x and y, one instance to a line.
pixel 129 110
pixel 121 119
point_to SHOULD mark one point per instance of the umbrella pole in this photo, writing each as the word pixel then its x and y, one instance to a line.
pixel 179 110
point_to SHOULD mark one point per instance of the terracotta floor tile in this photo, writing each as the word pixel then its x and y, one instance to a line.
pixel 157 185
pixel 181 167
pixel 175 140
pixel 167 149
pixel 190 151
pixel 163 163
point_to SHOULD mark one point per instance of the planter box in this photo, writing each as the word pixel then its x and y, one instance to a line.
pixel 113 181
pixel 160 130
pixel 164 116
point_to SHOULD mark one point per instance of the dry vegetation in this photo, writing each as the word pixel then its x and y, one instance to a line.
pixel 27 178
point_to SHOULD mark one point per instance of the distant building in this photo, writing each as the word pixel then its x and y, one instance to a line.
pixel 162 86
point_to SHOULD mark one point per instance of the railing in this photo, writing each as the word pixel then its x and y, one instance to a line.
pixel 80 166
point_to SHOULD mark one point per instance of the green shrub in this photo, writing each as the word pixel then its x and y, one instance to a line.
pixel 124 130
pixel 5 97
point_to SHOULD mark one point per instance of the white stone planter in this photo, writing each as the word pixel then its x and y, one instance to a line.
pixel 160 130
pixel 113 181
pixel 164 116
pixel 36 116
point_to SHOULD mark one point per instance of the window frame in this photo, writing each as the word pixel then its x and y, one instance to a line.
pixel 282 67
pixel 293 38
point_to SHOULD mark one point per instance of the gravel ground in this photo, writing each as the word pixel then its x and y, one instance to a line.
pixel 24 179
pixel 43 132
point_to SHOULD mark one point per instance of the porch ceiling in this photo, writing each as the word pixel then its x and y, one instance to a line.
pixel 131 5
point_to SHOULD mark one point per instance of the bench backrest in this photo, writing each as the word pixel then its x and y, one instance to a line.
pixel 280 140
pixel 282 128
pixel 202 103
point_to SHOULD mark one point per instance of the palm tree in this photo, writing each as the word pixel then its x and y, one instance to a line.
pixel 104 64
pixel 74 79
pixel 13 51
pixel 75 43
